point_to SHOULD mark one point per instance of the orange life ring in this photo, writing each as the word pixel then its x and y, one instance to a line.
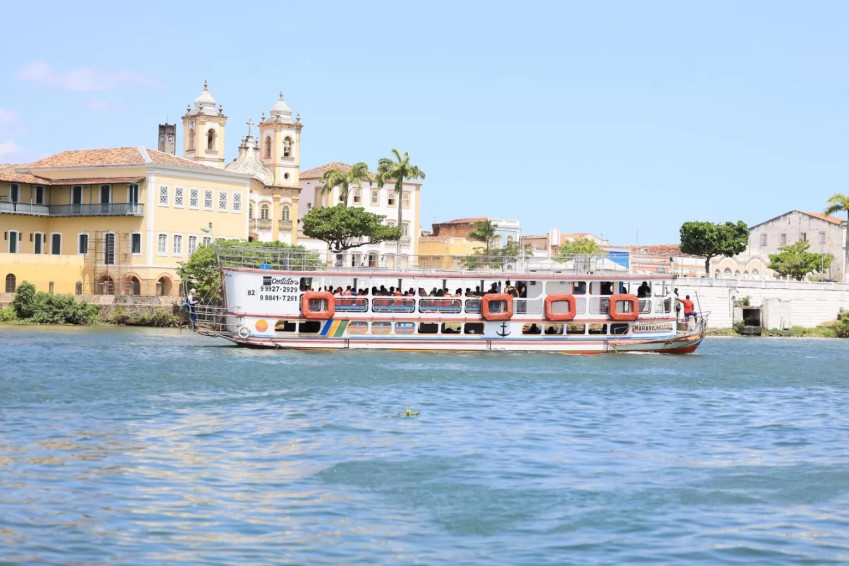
pixel 498 314
pixel 627 314
pixel 318 305
pixel 549 310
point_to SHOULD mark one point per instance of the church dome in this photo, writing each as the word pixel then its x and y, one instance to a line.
pixel 205 103
pixel 281 112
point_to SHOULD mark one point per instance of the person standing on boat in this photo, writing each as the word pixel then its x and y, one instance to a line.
pixel 688 309
pixel 193 313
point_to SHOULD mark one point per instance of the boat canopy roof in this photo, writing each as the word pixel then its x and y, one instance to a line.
pixel 280 257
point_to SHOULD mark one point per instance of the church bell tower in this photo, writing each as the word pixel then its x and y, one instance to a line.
pixel 203 131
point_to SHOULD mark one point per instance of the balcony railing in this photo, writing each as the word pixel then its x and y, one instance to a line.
pixel 285 225
pixel 111 209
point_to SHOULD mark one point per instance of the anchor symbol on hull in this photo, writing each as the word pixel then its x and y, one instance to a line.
pixel 504 331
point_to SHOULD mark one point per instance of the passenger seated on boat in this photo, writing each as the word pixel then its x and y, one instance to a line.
pixel 533 329
pixel 511 290
pixel 644 290
pixel 607 287
pixel 549 329
pixel 422 292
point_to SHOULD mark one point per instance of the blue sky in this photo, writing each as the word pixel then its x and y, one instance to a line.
pixel 620 118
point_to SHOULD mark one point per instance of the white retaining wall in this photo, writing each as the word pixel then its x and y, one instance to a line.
pixel 810 304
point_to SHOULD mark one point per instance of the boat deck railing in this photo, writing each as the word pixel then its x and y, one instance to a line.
pixel 277 257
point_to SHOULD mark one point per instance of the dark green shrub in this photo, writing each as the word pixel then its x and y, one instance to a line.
pixel 841 327
pixel 120 317
pixel 159 318
pixel 8 314
pixel 24 301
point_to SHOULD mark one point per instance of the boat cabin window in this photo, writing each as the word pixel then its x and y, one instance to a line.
pixel 579 288
pixel 309 327
pixel 473 328
pixel 532 328
pixel 284 326
pixel 599 305
pixel 306 283
pixel 381 327
pixel 619 328
pixel 597 329
pixel 553 329
pixel 428 328
pixel 358 327
pixel 405 328
pixel 576 328
pixel 451 327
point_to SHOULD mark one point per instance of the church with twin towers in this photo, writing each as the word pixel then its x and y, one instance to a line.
pixel 280 193
pixel 272 159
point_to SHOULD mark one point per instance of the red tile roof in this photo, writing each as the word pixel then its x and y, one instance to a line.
pixel 18 174
pixel 114 156
pixel 317 172
pixel 831 219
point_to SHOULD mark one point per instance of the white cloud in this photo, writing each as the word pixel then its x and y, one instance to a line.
pixel 8 116
pixel 8 147
pixel 81 79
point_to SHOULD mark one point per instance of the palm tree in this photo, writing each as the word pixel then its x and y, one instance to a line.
pixel 484 232
pixel 333 178
pixel 397 171
pixel 840 203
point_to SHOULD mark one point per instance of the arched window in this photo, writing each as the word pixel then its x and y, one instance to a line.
pixel 134 285
pixel 287 146
pixel 727 272
pixel 716 274
pixel 210 140
pixel 285 215
pixel 263 212
pixel 191 139
pixel 755 273
pixel 163 286
pixel 268 147
pixel 737 273
pixel 11 282
pixel 105 286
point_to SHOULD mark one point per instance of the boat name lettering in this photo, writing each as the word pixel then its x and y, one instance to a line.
pixel 266 280
pixel 653 327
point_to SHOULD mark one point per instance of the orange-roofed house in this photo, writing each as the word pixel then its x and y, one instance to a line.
pixel 113 221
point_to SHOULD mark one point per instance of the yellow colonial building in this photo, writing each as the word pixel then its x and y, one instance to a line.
pixel 113 221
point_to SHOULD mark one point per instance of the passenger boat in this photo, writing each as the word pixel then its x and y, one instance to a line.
pixel 282 298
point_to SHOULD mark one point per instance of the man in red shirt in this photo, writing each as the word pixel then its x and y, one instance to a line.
pixel 688 309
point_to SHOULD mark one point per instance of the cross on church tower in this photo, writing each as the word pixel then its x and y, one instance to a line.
pixel 250 124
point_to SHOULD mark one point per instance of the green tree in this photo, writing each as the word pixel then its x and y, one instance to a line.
pixel 398 171
pixel 340 227
pixel 24 301
pixel 840 203
pixel 796 262
pixel 355 176
pixel 710 240
pixel 498 258
pixel 484 231
pixel 202 271
pixel 581 247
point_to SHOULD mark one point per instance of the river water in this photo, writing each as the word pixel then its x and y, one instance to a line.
pixel 138 446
